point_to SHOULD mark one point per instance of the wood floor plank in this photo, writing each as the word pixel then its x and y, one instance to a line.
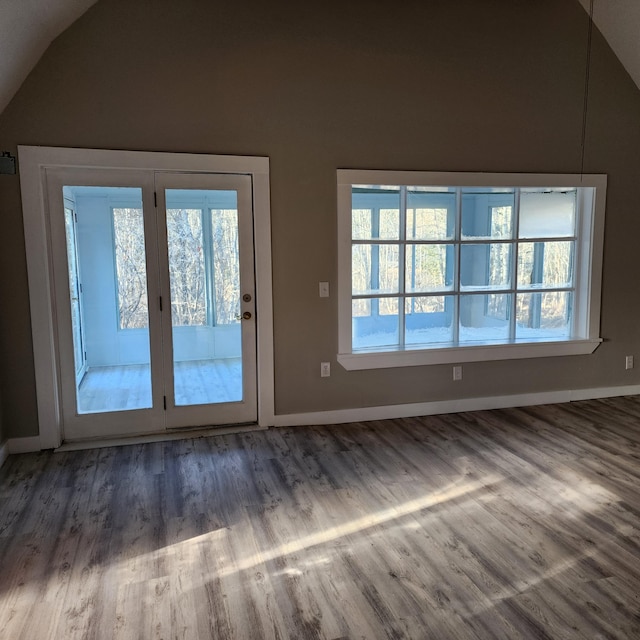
pixel 500 525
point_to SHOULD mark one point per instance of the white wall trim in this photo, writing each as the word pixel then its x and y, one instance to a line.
pixel 478 353
pixel 4 452
pixel 264 302
pixel 450 406
pixel 605 392
pixel 24 445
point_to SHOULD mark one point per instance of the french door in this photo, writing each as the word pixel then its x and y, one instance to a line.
pixel 154 298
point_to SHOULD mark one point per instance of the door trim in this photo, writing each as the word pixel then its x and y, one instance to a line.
pixel 33 163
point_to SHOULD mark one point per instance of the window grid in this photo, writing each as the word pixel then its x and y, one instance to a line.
pixel 456 291
pixel 457 268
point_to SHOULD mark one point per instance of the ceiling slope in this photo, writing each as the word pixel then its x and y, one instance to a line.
pixel 27 28
pixel 619 23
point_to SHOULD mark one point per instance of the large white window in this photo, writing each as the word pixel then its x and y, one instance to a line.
pixel 440 267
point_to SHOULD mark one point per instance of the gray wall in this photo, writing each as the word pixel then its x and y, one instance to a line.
pixel 2 436
pixel 431 85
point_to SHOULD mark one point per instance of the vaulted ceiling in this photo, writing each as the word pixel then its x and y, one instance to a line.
pixel 27 28
pixel 619 22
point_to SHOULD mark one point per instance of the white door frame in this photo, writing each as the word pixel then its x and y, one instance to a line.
pixel 33 163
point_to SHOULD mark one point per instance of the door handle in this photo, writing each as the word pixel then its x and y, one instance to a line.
pixel 245 316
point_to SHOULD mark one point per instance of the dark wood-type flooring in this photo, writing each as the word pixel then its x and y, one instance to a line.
pixel 510 524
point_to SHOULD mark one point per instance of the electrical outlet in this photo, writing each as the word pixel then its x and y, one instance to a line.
pixel 323 289
pixel 325 369
pixel 628 362
pixel 457 372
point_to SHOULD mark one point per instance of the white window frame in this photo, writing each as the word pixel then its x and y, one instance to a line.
pixel 587 279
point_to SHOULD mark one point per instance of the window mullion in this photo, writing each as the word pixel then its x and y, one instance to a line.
pixel 577 267
pixel 375 260
pixel 514 265
pixel 402 265
pixel 413 258
pixel 457 234
pixel 209 275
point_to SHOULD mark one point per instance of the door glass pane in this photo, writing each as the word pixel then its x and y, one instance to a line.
pixel 187 268
pixel 131 270
pixel 204 275
pixel 109 308
pixel 226 265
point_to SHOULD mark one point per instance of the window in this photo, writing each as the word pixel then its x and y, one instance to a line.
pixel 438 268
pixel 131 269
pixel 204 275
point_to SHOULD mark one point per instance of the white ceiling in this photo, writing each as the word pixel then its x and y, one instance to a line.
pixel 27 28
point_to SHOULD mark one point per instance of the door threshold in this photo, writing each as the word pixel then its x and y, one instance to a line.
pixel 176 434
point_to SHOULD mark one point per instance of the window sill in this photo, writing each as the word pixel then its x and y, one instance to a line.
pixel 477 353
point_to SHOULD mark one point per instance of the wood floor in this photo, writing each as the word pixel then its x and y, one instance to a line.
pixel 510 524
pixel 127 387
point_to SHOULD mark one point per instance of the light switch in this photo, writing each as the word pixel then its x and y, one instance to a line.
pixel 324 289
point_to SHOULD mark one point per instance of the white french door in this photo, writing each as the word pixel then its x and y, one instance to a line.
pixel 163 266
pixel 206 257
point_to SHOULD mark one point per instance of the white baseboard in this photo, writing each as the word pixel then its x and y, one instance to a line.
pixel 605 392
pixel 24 445
pixel 450 406
pixel 4 453
pixel 28 445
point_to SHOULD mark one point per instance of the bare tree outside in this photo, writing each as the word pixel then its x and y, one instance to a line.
pixel 226 264
pixel 375 265
pixel 186 267
pixel 131 269
pixel 204 280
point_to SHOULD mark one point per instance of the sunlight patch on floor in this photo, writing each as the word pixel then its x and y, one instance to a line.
pixel 359 524
pixel 210 550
